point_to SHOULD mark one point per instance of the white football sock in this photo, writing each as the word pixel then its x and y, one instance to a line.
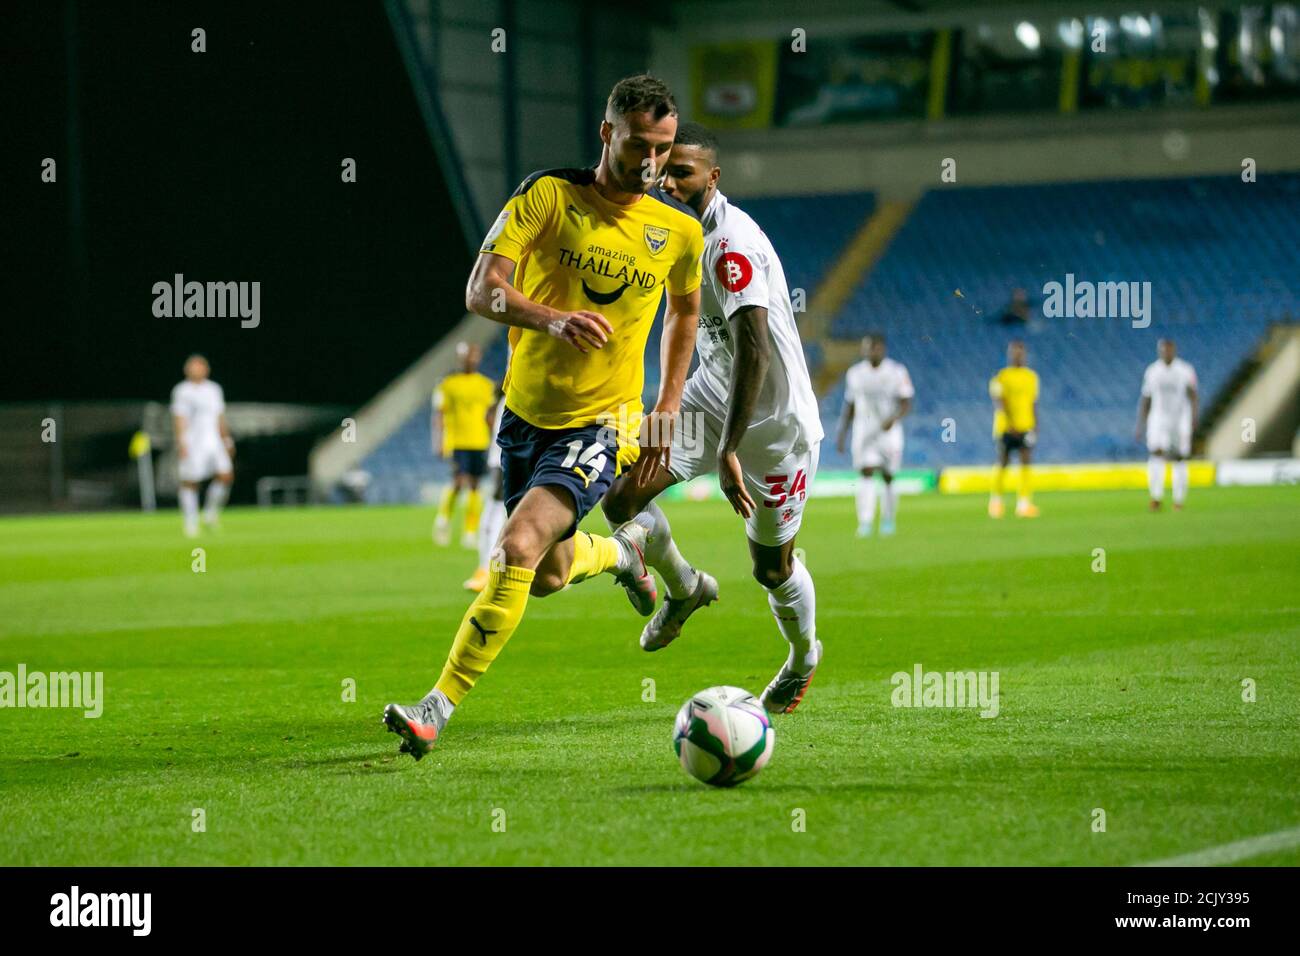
pixel 794 604
pixel 489 530
pixel 661 553
pixel 866 498
pixel 190 507
pixel 888 503
pixel 216 497
pixel 1180 482
pixel 1156 477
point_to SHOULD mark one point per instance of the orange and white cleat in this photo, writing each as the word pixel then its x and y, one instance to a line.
pixel 477 581
pixel 418 724
pixel 1026 509
pixel 995 506
pixel 636 580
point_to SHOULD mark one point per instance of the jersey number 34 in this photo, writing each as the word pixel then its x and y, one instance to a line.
pixel 778 494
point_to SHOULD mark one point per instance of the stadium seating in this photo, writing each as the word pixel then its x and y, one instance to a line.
pixel 1219 253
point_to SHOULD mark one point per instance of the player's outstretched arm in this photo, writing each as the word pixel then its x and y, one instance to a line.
pixel 490 294
pixel 748 370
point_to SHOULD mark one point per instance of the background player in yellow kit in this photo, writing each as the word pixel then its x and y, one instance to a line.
pixel 593 252
pixel 1014 391
pixel 461 428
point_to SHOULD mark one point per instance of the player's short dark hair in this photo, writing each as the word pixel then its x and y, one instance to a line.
pixel 876 337
pixel 642 93
pixel 696 134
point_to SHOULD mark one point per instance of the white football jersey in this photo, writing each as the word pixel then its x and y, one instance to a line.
pixel 742 269
pixel 200 404
pixel 876 392
pixel 1166 385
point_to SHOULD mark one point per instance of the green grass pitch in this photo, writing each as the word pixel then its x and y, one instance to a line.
pixel 1119 690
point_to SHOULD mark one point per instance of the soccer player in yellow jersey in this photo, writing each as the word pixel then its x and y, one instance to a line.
pixel 1015 418
pixel 593 252
pixel 461 428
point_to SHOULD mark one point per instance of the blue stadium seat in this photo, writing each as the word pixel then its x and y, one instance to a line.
pixel 1219 253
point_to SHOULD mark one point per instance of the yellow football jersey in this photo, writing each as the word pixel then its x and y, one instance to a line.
pixel 464 399
pixel 575 249
pixel 1017 386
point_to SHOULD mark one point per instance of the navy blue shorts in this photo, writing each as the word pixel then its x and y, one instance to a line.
pixel 582 460
pixel 472 463
pixel 1014 442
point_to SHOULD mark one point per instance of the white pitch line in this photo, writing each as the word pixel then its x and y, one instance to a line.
pixel 1237 850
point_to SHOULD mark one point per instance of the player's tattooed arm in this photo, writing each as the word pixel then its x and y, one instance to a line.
pixel 749 367
pixel 490 294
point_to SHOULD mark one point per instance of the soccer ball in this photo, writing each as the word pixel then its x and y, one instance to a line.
pixel 723 736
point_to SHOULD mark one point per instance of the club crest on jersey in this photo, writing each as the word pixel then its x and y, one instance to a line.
pixel 656 237
pixel 733 271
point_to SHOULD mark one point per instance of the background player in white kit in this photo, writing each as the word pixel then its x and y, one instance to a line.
pixel 494 512
pixel 204 446
pixel 877 394
pixel 1167 418
pixel 748 412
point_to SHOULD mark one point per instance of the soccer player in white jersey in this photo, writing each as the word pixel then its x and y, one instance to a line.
pixel 1167 417
pixel 877 394
pixel 204 446
pixel 494 512
pixel 748 413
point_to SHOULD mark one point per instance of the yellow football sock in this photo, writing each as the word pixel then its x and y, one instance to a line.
pixel 473 509
pixel 999 479
pixel 487 625
pixel 1026 492
pixel 447 503
pixel 592 554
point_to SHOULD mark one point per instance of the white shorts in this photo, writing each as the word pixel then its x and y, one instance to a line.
pixel 1171 437
pixel 203 461
pixel 879 450
pixel 779 488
